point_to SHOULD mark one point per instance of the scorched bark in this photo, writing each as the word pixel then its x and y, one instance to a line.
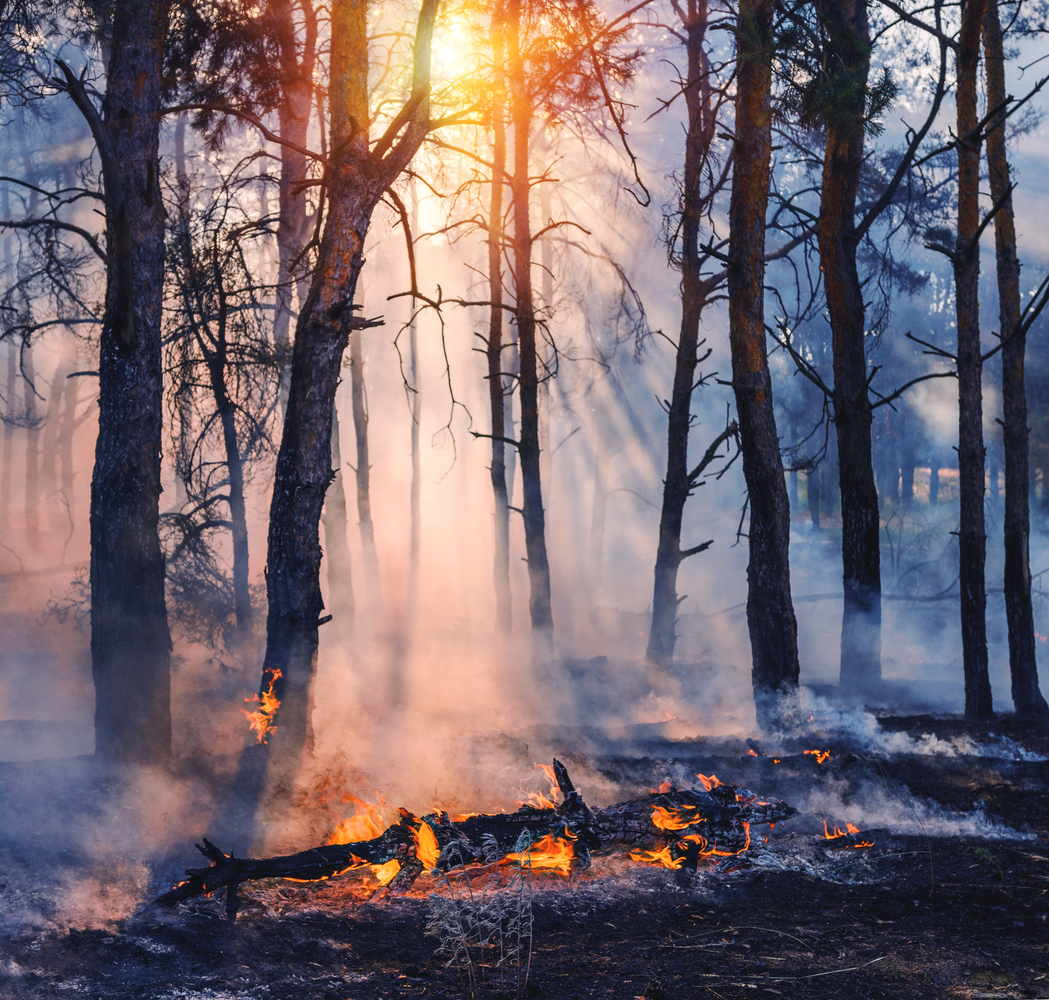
pixel 357 178
pixel 1023 664
pixel 972 539
pixel 130 642
pixel 848 33
pixel 770 612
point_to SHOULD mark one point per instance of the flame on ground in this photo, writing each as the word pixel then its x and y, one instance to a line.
pixel 822 756
pixel 673 855
pixel 261 720
pixel 712 782
pixel 553 853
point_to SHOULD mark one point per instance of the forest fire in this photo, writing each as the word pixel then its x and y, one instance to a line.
pixel 560 838
pixel 261 720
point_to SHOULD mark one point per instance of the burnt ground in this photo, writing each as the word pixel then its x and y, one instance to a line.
pixel 955 905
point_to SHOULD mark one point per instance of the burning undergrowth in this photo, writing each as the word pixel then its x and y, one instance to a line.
pixel 648 871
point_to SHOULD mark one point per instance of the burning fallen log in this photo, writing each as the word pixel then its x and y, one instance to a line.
pixel 689 824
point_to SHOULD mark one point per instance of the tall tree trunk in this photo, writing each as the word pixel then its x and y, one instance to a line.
pixel 9 441
pixel 337 549
pixel 845 22
pixel 130 642
pixel 812 485
pixel 32 450
pixel 356 179
pixel 934 480
pixel 770 612
pixel 49 444
pixel 1023 665
pixel 65 449
pixel 9 389
pixel 524 309
pixel 297 70
pixel 972 540
pixel 498 385
pixel 678 484
pixel 415 400
pixel 217 359
pixel 372 583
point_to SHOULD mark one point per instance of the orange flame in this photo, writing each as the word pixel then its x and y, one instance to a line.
pixel 712 782
pixel 426 848
pixel 540 800
pixel 838 832
pixel 555 853
pixel 261 720
pixel 675 819
pixel 388 872
pixel 660 857
pixel 367 822
pixel 822 756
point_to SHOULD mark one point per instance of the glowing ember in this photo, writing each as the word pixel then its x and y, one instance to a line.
pixel 712 782
pixel 554 853
pixel 261 720
pixel 426 848
pixel 822 756
pixel 388 872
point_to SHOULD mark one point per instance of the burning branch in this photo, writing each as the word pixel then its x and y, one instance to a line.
pixel 688 824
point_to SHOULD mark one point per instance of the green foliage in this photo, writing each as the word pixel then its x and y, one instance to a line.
pixel 826 66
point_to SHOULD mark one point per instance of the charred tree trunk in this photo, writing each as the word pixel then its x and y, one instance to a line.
pixel 130 642
pixel 415 402
pixel 770 612
pixel 357 178
pixel 539 603
pixel 934 480
pixel 32 450
pixel 497 383
pixel 845 22
pixel 294 120
pixel 372 582
pixel 972 539
pixel 65 448
pixel 217 360
pixel 337 550
pixel 9 442
pixel 812 487
pixel 678 484
pixel 1023 665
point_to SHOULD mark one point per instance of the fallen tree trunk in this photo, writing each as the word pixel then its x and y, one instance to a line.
pixel 694 824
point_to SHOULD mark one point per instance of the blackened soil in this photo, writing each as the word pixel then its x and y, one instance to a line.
pixel 913 916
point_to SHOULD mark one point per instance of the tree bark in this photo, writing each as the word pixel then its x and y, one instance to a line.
pixel 812 487
pixel 966 259
pixel 1023 664
pixel 357 178
pixel 337 549
pixel 297 71
pixel 848 33
pixel 130 642
pixel 678 484
pixel 770 612
pixel 32 450
pixel 539 603
pixel 370 555
pixel 498 387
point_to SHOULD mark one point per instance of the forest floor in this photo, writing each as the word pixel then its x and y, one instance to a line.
pixel 955 905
